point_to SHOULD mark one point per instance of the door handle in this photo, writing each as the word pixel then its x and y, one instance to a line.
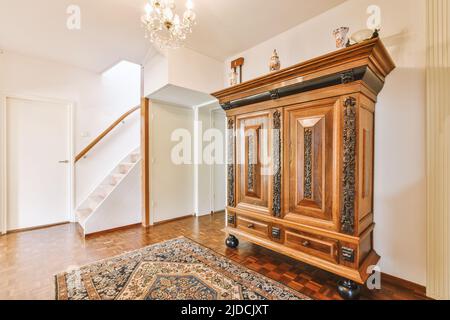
pixel 64 161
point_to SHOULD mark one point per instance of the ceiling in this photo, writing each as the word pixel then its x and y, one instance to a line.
pixel 181 97
pixel 228 27
pixel 111 30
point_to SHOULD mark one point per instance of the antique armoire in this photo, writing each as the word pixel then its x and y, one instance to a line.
pixel 301 160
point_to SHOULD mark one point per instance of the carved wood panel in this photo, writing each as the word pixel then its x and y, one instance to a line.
pixel 253 162
pixel 309 163
pixel 277 165
pixel 365 168
pixel 349 142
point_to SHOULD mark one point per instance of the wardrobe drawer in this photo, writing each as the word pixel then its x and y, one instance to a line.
pixel 253 226
pixel 322 248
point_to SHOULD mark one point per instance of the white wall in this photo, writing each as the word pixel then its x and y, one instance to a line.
pixel 180 189
pixel 3 194
pixel 400 188
pixel 218 170
pixel 99 100
pixel 172 185
pixel 203 172
pixel 182 68
pixel 195 71
pixel 185 78
pixel 156 73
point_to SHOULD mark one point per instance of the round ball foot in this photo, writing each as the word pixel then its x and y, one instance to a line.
pixel 232 242
pixel 349 290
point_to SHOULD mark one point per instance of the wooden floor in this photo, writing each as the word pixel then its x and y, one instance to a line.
pixel 29 260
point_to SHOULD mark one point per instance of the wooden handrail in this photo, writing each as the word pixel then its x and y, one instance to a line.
pixel 104 133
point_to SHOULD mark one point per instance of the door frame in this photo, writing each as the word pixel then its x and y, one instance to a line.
pixel 70 105
pixel 212 167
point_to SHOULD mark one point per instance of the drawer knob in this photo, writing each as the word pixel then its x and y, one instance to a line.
pixel 251 226
pixel 306 243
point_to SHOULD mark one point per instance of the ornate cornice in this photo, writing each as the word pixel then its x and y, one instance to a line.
pixel 369 55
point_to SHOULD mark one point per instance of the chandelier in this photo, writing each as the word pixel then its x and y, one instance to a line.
pixel 164 27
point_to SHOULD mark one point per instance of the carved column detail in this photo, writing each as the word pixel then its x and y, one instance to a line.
pixel 347 77
pixel 230 164
pixel 252 164
pixel 349 167
pixel 308 164
pixel 277 164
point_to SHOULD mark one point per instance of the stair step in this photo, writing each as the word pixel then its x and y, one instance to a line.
pixel 104 190
pixel 82 215
pixel 124 168
pixel 135 157
pixel 115 178
pixel 95 200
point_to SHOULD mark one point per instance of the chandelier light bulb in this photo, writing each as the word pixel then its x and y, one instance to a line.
pixel 190 4
pixel 148 9
pixel 176 20
pixel 168 14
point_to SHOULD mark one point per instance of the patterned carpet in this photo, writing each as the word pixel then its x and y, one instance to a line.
pixel 178 269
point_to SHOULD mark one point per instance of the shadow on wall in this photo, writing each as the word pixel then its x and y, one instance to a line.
pixel 397 45
pixel 400 178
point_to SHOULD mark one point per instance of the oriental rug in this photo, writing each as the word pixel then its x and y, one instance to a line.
pixel 178 269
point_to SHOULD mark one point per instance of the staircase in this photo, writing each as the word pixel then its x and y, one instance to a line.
pixel 97 212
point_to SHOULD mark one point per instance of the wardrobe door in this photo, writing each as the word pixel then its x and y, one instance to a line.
pixel 311 162
pixel 253 150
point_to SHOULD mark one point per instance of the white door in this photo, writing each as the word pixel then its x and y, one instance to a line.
pixel 219 170
pixel 37 144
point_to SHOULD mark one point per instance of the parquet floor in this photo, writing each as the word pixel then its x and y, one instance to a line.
pixel 28 260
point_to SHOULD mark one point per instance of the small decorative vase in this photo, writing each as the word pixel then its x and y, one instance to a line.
pixel 275 63
pixel 362 35
pixel 340 35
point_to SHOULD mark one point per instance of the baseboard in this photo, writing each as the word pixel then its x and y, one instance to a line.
pixel 131 226
pixel 37 227
pixel 417 288
pixel 172 220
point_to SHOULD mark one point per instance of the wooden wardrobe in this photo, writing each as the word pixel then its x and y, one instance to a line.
pixel 301 159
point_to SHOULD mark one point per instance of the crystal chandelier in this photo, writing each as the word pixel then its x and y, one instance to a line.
pixel 164 27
